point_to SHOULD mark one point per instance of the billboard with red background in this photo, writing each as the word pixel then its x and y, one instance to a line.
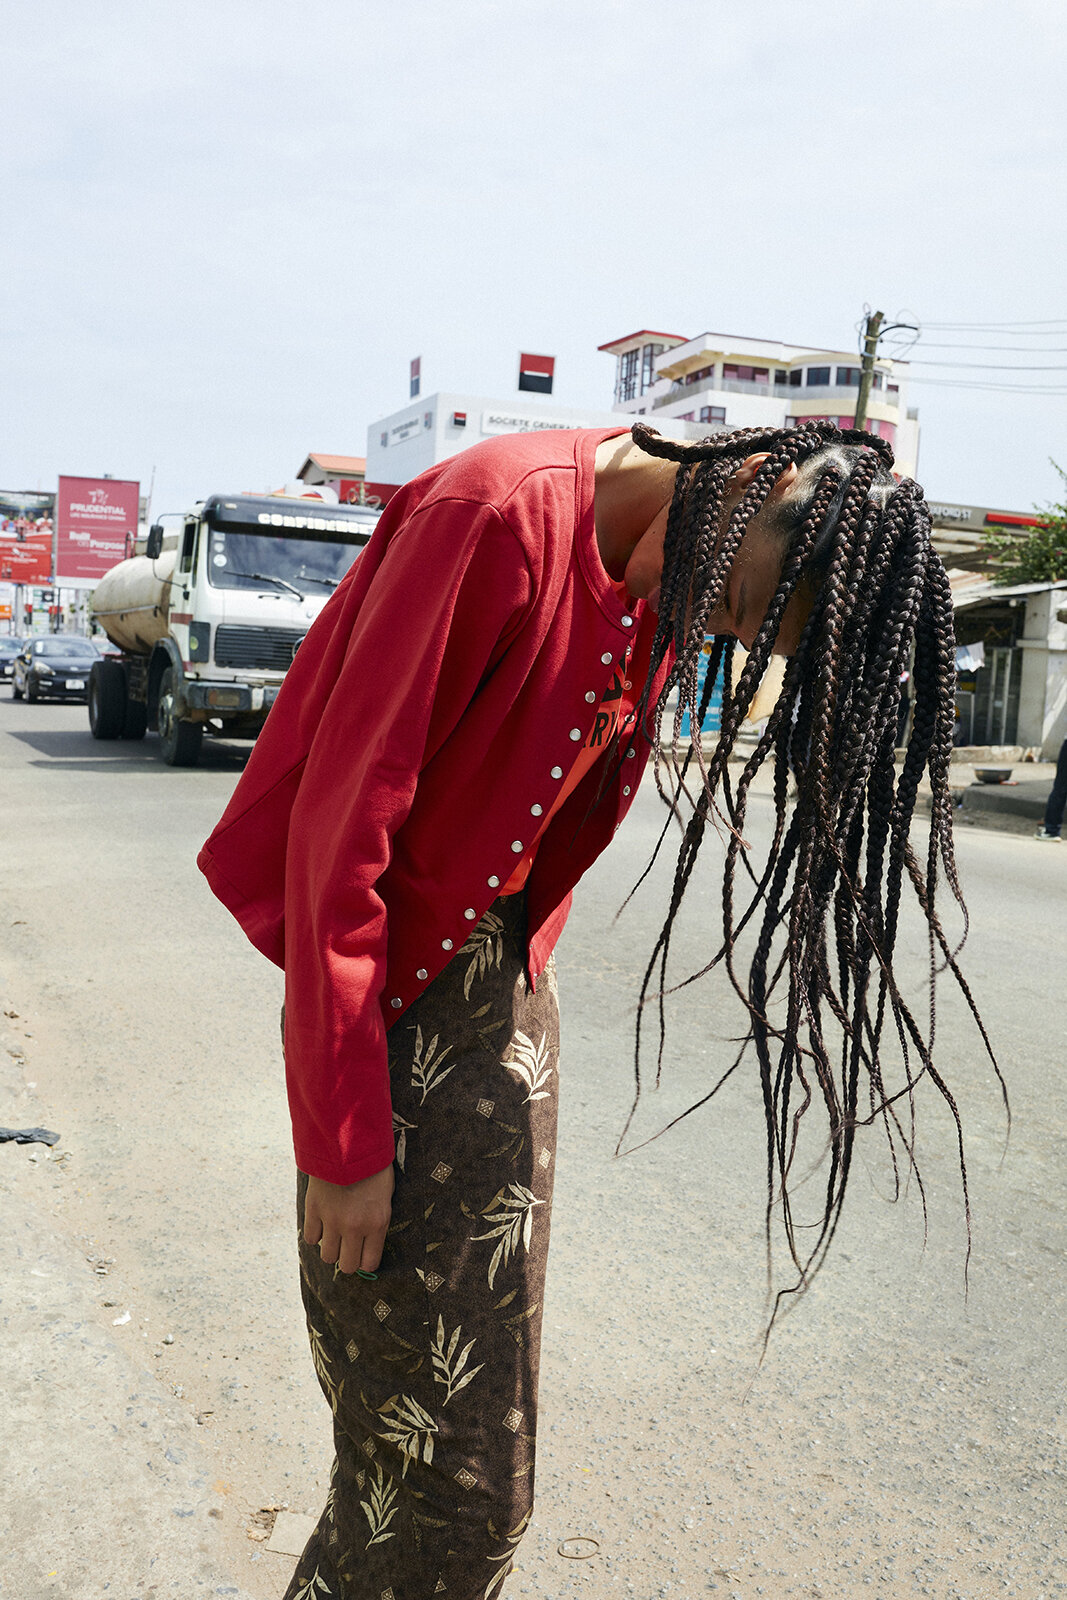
pixel 26 536
pixel 94 516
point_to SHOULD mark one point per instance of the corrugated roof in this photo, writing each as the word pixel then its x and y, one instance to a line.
pixel 347 465
pixel 972 588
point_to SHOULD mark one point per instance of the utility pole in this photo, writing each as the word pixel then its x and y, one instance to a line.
pixel 870 350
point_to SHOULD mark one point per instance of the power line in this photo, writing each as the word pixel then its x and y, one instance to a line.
pixel 997 388
pixel 993 327
pixel 1048 350
pixel 984 366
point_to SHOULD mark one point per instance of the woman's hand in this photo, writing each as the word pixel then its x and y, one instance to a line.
pixel 348 1222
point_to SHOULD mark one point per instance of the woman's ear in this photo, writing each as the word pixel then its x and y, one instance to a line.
pixel 745 473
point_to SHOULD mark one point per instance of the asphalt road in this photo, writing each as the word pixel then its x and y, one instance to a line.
pixel 902 1436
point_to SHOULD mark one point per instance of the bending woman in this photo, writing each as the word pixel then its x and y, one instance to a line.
pixel 458 739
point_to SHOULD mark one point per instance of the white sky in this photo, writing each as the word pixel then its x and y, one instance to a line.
pixel 230 225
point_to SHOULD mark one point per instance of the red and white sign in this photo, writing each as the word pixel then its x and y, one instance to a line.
pixel 536 373
pixel 94 518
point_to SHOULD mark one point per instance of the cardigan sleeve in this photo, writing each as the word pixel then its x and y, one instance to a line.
pixel 439 611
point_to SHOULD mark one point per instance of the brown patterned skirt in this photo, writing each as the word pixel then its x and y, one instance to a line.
pixel 431 1372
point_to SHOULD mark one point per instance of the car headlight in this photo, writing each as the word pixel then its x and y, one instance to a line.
pixel 43 669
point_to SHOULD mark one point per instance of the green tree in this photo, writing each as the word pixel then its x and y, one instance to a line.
pixel 1037 556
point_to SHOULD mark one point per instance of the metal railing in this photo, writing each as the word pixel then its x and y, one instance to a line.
pixel 780 391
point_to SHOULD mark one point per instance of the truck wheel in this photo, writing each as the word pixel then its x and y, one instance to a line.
pixel 107 700
pixel 134 719
pixel 179 742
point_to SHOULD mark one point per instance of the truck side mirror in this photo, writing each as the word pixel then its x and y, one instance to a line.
pixel 154 544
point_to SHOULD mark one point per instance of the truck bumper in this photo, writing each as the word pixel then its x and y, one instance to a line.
pixel 236 698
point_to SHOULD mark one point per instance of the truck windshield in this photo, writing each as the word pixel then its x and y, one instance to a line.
pixel 250 560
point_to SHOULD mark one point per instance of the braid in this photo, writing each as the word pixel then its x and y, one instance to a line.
pixel 819 985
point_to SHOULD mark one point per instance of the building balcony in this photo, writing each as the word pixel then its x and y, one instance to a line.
pixel 801 394
pixel 848 392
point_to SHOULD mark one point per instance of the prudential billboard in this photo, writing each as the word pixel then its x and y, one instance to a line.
pixel 96 521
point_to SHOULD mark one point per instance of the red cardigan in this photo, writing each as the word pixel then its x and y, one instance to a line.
pixel 436 702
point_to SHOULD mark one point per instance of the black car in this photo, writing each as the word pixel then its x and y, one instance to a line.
pixel 54 667
pixel 9 649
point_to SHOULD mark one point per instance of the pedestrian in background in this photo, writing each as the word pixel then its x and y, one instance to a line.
pixel 458 739
pixel 1057 801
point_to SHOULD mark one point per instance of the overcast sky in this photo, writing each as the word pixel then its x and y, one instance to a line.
pixel 231 224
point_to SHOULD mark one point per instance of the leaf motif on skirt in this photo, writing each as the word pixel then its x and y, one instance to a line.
pixel 315 1586
pixel 411 1428
pixel 448 1365
pixel 486 945
pixel 381 1507
pixel 427 1070
pixel 511 1216
pixel 531 1064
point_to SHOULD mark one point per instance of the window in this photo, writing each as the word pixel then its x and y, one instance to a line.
pixel 188 552
pixel 735 374
pixel 848 377
pixel 700 375
pixel 713 414
pixel 648 356
pixel 818 376
pixel 685 416
pixel 877 380
pixel 626 387
pixel 892 388
pixel 795 377
pixel 781 377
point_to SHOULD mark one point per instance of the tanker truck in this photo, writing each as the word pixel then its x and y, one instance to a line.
pixel 207 620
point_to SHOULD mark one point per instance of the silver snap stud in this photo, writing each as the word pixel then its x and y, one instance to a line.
pixel 626 788
pixel 396 1002
pixel 590 696
pixel 630 754
pixel 627 622
pixel 494 882
pixel 576 734
pixel 422 974
pixel 470 913
pixel 557 772
pixel 606 658
pixel 536 811
pixel 516 845
pixel 446 944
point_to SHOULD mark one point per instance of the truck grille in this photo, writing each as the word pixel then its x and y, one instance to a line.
pixel 270 649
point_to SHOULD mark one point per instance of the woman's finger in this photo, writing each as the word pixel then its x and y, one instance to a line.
pixel 351 1248
pixel 373 1245
pixel 312 1225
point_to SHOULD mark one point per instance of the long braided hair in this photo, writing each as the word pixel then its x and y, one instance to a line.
pixel 820 992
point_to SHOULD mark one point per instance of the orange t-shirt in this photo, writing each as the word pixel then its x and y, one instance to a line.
pixel 616 709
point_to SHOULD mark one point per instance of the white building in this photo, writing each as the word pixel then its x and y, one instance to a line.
pixel 686 387
pixel 436 426
pixel 720 380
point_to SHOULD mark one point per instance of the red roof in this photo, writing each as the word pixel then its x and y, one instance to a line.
pixel 644 333
pixel 344 466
